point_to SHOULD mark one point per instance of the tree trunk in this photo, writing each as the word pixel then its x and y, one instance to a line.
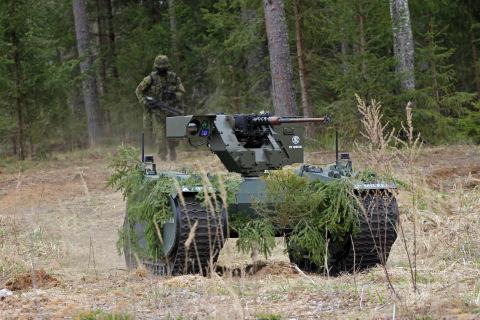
pixel 403 45
pixel 362 46
pixel 304 81
pixel 31 147
pixel 433 67
pixel 280 62
pixel 92 105
pixel 234 87
pixel 474 48
pixel 362 41
pixel 344 50
pixel 101 54
pixel 103 62
pixel 173 31
pixel 14 145
pixel 18 105
pixel 112 37
pixel 29 122
pixel 258 83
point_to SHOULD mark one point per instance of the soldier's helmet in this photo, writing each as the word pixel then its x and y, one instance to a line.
pixel 161 61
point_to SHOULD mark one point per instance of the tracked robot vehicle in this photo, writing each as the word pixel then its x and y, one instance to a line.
pixel 250 144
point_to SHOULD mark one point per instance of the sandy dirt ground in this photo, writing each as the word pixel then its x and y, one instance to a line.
pixel 75 220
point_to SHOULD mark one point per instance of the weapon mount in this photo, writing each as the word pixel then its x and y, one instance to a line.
pixel 247 144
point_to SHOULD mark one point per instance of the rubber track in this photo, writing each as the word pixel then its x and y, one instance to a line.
pixel 382 213
pixel 208 239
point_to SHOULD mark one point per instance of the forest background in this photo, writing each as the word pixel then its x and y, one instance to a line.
pixel 67 86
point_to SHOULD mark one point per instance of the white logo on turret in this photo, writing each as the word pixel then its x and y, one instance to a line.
pixel 295 139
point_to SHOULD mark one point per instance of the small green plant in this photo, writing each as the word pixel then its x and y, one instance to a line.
pixel 99 314
pixel 268 316
pixel 370 296
pixel 272 296
pixel 380 298
pixel 239 220
pixel 257 234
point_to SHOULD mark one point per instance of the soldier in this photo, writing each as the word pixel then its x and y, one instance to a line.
pixel 165 86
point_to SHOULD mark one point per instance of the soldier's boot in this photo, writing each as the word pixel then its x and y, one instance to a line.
pixel 162 155
pixel 173 154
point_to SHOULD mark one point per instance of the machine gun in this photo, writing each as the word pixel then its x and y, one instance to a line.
pixel 164 106
pixel 247 144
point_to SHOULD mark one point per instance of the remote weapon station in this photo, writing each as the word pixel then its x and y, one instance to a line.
pixel 250 144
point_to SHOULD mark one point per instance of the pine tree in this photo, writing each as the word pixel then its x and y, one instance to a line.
pixel 439 104
pixel 403 43
pixel 236 41
pixel 347 45
pixel 302 70
pixel 92 104
pixel 474 47
pixel 471 123
pixel 45 73
pixel 15 53
pixel 257 75
pixel 283 85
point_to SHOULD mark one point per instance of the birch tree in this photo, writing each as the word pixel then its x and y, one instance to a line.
pixel 90 95
pixel 403 43
pixel 283 85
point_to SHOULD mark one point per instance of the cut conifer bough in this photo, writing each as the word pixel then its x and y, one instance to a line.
pixel 209 236
pixel 377 216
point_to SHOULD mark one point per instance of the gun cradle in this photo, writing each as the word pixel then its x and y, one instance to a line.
pixel 242 147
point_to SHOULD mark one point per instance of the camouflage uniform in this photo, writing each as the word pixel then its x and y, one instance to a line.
pixel 153 86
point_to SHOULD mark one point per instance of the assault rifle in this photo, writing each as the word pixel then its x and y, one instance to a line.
pixel 164 106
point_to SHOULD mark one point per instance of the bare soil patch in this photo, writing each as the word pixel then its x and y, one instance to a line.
pixel 446 167
pixel 24 281
pixel 276 270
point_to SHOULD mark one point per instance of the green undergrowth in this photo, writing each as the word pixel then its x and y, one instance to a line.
pixel 268 316
pixel 99 314
pixel 148 200
pixel 316 211
pixel 471 123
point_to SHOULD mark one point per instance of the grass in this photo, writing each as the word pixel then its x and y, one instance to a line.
pixel 99 314
pixel 448 252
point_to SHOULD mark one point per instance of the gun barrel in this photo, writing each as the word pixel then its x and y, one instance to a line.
pixel 295 120
pixel 275 121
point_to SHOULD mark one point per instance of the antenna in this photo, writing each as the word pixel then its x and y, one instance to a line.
pixel 143 148
pixel 336 143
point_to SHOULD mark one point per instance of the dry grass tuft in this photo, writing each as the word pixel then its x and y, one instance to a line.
pixel 140 272
pixel 438 249
pixel 15 248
